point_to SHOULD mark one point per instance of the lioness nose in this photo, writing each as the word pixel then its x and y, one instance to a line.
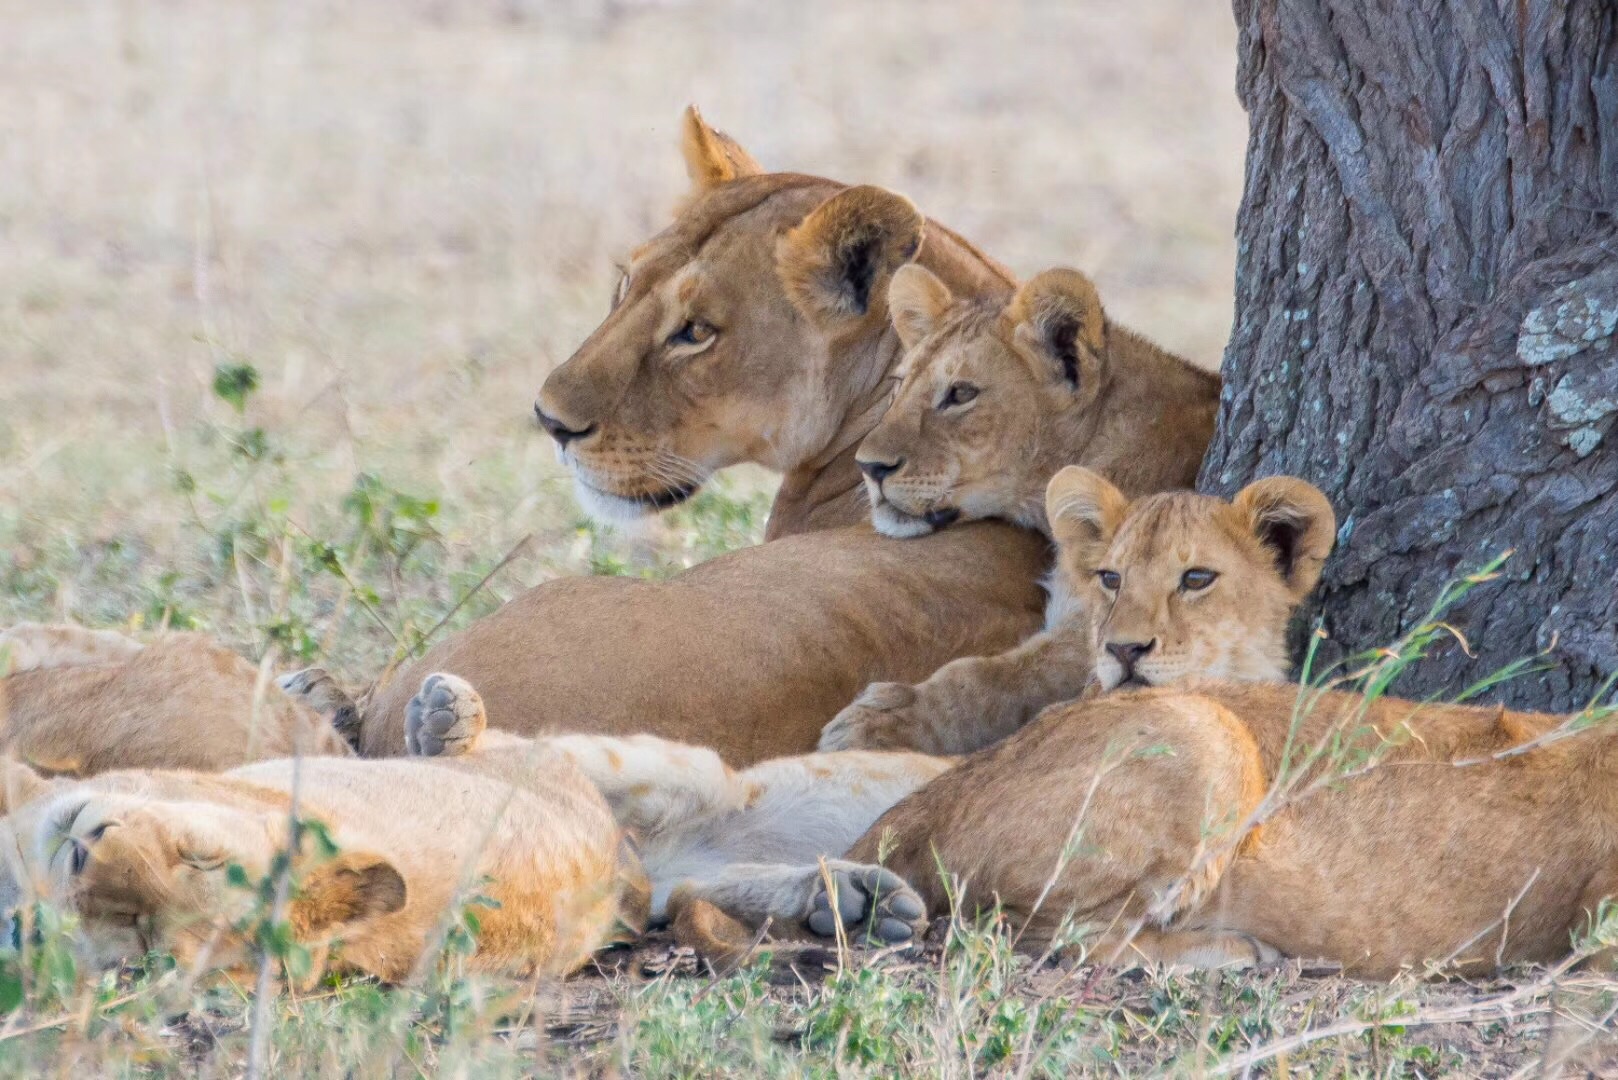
pixel 560 431
pixel 1128 653
pixel 880 470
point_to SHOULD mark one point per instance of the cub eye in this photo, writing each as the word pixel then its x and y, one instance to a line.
pixel 958 394
pixel 1196 579
pixel 203 860
pixel 693 333
pixel 1109 579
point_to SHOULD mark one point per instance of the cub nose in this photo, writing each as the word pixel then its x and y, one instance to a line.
pixel 560 431
pixel 879 471
pixel 1128 653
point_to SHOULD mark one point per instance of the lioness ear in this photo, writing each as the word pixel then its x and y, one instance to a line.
pixel 351 887
pixel 711 156
pixel 916 299
pixel 1057 313
pixel 1084 510
pixel 840 256
pixel 1295 521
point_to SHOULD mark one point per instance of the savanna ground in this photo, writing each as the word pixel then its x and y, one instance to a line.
pixel 277 286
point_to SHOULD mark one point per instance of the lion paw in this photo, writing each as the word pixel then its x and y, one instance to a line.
pixel 873 905
pixel 884 717
pixel 318 691
pixel 445 718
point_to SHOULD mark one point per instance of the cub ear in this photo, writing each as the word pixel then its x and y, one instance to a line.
pixel 1084 510
pixel 712 157
pixel 916 300
pixel 1058 315
pixel 349 888
pixel 835 261
pixel 19 784
pixel 1295 521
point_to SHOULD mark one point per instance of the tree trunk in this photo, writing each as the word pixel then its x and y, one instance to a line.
pixel 1426 310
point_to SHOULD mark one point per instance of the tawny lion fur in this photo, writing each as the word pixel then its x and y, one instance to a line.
pixel 79 702
pixel 997 394
pixel 143 858
pixel 1203 828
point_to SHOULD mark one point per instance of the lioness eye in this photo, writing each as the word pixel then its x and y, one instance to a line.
pixel 1109 579
pixel 1196 579
pixel 692 333
pixel 957 394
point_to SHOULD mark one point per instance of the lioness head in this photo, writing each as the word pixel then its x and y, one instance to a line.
pixel 145 873
pixel 729 336
pixel 995 397
pixel 1179 584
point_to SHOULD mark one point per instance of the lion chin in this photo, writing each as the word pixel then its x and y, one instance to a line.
pixel 605 506
pixel 889 520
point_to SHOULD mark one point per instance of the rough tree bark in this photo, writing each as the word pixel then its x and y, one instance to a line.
pixel 1426 311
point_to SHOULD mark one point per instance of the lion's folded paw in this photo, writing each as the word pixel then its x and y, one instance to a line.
pixel 882 718
pixel 445 718
pixel 874 905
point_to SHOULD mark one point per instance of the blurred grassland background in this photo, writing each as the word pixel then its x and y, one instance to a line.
pixel 377 225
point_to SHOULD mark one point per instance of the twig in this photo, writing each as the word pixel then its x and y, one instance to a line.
pixel 68 1018
pixel 1472 1012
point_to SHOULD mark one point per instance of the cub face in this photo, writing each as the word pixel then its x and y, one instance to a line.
pixel 723 329
pixel 1178 584
pixel 145 873
pixel 988 394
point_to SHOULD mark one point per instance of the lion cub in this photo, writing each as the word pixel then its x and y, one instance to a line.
pixel 996 395
pixel 144 859
pixel 1144 593
pixel 142 856
pixel 1225 823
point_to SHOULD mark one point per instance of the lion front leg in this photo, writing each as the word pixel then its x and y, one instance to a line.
pixel 968 703
pixel 870 904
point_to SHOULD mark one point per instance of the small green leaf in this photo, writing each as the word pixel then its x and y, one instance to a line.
pixel 235 383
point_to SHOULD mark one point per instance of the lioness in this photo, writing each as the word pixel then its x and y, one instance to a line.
pixel 1052 380
pixel 755 328
pixel 1233 823
pixel 144 859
